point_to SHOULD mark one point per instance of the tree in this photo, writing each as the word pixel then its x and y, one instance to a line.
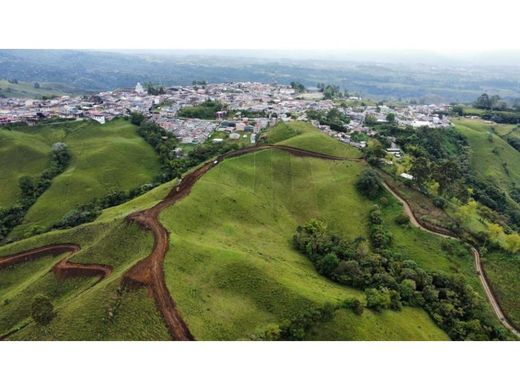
pixel 369 184
pixel 36 85
pixel 136 118
pixel 390 117
pixel 377 299
pixel 27 186
pixel 512 242
pixel 494 231
pixel 42 310
pixel 421 170
pixel 327 264
pixel 483 102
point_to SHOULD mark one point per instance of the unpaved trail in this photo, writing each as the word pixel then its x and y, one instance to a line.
pixel 64 268
pixel 476 256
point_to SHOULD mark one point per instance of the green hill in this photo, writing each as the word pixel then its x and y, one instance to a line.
pixel 231 266
pixel 305 136
pixel 23 89
pixel 86 310
pixel 492 158
pixel 105 158
pixel 21 154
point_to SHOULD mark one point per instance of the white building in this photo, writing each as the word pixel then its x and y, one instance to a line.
pixel 139 89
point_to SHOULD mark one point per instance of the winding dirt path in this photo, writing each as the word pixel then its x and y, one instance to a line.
pixel 63 268
pixel 476 256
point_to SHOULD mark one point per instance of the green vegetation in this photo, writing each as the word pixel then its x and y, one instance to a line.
pixel 28 90
pixel 333 118
pixel 305 136
pixel 104 306
pixel 21 154
pixel 391 281
pixel 503 270
pixel 103 161
pixel 42 310
pixel 205 110
pixel 408 324
pixel 227 282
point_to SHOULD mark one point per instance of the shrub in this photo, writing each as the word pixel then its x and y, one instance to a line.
pixel 402 219
pixel 377 299
pixel 42 310
pixel 369 184
pixel 439 202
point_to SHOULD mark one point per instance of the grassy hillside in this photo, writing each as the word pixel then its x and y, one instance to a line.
pixel 305 136
pixel 27 90
pixel 82 306
pixel 105 158
pixel 231 266
pixel 503 271
pixel 385 326
pixel 492 158
pixel 21 154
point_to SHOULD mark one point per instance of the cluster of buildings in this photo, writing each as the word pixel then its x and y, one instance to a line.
pixel 253 106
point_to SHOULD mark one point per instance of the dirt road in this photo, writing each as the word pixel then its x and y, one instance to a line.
pixel 64 268
pixel 476 255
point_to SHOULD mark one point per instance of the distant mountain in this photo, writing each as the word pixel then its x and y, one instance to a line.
pixel 382 75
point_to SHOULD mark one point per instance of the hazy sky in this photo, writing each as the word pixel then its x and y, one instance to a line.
pixel 440 25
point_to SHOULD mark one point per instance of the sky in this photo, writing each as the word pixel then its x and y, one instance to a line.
pixel 448 26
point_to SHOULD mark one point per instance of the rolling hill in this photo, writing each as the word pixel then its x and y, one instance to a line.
pixel 231 267
pixel 105 158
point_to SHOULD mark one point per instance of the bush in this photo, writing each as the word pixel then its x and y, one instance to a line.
pixel 378 300
pixel 439 202
pixel 402 219
pixel 369 184
pixel 42 310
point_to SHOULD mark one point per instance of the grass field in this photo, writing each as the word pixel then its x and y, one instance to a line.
pixel 82 306
pixel 21 154
pixel 105 158
pixel 305 136
pixel 26 90
pixel 492 158
pixel 503 271
pixel 386 326
pixel 231 266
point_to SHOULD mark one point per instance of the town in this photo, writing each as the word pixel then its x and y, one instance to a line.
pixel 250 107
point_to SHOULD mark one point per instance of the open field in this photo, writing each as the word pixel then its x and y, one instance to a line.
pixel 503 271
pixel 21 154
pixel 305 136
pixel 26 90
pixel 492 158
pixel 105 158
pixel 82 304
pixel 386 326
pixel 231 266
